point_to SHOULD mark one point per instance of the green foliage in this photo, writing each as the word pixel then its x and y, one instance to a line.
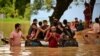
pixel 27 12
pixel 41 5
pixel 14 8
pixel 20 5
pixel 48 4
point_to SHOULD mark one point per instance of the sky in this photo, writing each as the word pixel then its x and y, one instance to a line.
pixel 70 14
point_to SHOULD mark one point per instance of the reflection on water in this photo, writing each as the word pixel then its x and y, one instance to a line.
pixel 84 50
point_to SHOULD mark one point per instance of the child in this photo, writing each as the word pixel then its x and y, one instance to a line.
pixel 53 37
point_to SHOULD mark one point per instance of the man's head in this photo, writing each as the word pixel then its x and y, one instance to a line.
pixel 65 22
pixel 76 19
pixel 45 22
pixel 40 23
pixel 35 21
pixel 18 26
pixel 86 4
pixel 97 20
pixel 55 21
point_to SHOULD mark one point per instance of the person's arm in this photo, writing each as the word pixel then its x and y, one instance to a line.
pixel 36 35
pixel 30 30
pixel 11 39
pixel 61 36
pixel 23 37
pixel 47 36
pixel 41 29
pixel 45 29
pixel 60 28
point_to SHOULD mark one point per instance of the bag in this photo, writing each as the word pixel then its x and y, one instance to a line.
pixel 33 43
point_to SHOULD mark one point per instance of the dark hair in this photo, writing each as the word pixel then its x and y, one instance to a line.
pixel 34 20
pixel 76 18
pixel 17 25
pixel 97 20
pixel 40 23
pixel 64 21
pixel 45 21
pixel 34 24
pixel 86 4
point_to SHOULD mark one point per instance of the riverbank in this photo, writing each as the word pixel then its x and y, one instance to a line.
pixel 7 25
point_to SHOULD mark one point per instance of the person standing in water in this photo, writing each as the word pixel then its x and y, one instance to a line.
pixel 16 35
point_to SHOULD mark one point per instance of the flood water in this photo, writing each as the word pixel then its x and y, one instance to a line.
pixel 82 50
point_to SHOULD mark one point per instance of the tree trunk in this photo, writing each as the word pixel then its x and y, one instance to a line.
pixel 60 8
pixel 92 3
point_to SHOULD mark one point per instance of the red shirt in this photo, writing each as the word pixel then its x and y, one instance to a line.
pixel 53 41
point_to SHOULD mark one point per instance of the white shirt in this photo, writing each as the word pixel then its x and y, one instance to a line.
pixel 96 27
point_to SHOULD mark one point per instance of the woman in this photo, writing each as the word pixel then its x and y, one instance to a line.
pixel 32 38
pixel 52 37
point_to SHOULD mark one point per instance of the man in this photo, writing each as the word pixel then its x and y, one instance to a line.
pixel 87 14
pixel 43 29
pixel 16 35
pixel 55 21
pixel 96 26
pixel 30 29
pixel 76 22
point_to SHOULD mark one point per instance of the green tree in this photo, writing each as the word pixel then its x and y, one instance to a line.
pixel 27 13
pixel 14 8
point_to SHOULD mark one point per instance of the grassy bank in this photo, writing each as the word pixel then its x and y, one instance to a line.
pixel 7 25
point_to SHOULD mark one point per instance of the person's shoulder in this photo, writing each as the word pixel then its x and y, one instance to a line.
pixel 13 31
pixel 95 24
pixel 20 32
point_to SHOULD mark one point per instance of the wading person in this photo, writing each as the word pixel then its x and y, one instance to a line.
pixel 16 35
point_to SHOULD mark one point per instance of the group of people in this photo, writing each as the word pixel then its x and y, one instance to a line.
pixel 52 33
pixel 56 34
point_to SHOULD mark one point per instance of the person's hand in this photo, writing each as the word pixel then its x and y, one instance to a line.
pixel 53 34
pixel 45 39
pixel 34 38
